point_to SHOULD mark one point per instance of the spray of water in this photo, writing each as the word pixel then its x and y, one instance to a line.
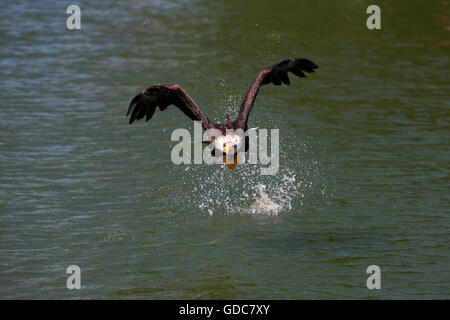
pixel 214 189
pixel 264 204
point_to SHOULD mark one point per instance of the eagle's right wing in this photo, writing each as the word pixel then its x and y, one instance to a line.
pixel 163 95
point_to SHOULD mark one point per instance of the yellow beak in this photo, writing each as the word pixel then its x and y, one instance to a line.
pixel 231 165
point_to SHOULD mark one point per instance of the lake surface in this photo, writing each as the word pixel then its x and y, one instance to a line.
pixel 364 152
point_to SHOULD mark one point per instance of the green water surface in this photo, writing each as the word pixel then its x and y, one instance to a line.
pixel 364 151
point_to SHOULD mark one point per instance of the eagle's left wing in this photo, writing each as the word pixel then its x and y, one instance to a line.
pixel 276 74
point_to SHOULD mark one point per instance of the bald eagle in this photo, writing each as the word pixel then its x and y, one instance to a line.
pixel 164 95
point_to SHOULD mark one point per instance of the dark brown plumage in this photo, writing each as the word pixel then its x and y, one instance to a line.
pixel 276 74
pixel 163 95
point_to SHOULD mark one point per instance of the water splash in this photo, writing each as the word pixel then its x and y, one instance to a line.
pixel 218 190
pixel 264 204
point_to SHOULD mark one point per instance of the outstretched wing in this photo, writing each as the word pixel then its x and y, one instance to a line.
pixel 276 74
pixel 163 95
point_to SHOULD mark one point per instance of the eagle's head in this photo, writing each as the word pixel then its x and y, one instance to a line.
pixel 229 145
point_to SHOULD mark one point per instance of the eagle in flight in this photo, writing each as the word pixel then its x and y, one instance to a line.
pixel 164 95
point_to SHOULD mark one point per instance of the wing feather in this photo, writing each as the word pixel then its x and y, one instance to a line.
pixel 276 74
pixel 162 96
